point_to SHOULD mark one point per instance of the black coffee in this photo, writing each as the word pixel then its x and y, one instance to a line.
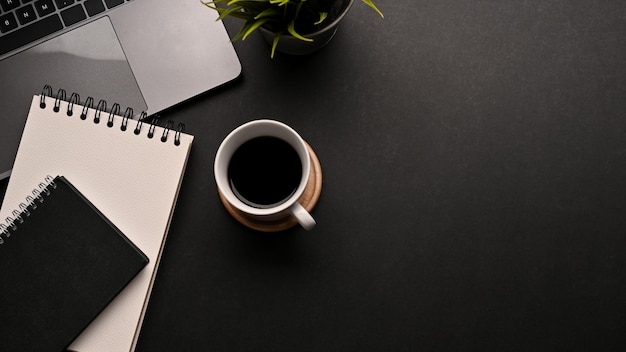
pixel 264 172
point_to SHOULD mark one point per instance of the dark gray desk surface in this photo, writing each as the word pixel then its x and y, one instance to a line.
pixel 474 160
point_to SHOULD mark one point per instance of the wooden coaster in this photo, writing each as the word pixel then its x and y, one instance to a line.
pixel 309 199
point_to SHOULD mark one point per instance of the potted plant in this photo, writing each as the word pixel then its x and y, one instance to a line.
pixel 290 26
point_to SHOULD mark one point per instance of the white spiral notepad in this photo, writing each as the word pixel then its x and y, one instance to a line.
pixel 130 170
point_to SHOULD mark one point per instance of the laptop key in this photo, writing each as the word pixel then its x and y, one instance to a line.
pixel 113 3
pixel 8 5
pixel 26 14
pixel 7 22
pixel 30 33
pixel 94 7
pixel 63 3
pixel 73 15
pixel 44 7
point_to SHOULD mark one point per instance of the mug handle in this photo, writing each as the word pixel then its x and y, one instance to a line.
pixel 304 218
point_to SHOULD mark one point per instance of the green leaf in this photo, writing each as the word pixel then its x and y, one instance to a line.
pixel 269 12
pixel 241 32
pixel 280 2
pixel 323 16
pixel 209 4
pixel 291 29
pixel 232 11
pixel 246 2
pixel 235 11
pixel 254 26
pixel 275 43
pixel 371 4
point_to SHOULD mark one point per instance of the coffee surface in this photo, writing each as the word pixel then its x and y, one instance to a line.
pixel 264 172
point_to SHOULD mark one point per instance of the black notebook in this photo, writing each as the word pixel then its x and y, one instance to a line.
pixel 61 263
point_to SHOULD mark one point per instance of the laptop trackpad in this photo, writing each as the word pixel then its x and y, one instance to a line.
pixel 88 60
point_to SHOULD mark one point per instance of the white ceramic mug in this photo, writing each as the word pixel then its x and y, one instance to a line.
pixel 264 128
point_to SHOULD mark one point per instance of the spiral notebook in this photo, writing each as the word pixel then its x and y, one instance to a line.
pixel 62 262
pixel 129 169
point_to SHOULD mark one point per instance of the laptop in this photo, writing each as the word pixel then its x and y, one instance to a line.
pixel 145 54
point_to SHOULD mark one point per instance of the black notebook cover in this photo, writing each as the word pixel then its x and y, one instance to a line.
pixel 60 265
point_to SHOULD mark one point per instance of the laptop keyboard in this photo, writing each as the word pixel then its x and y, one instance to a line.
pixel 24 21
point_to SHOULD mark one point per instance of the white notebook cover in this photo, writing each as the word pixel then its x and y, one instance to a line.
pixel 134 180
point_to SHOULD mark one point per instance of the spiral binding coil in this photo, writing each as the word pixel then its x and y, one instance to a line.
pixel 114 112
pixel 25 208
